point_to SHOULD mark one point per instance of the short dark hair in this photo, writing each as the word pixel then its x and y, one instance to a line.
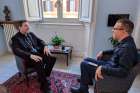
pixel 21 22
pixel 129 26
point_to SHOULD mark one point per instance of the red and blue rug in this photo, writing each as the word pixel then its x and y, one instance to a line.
pixel 60 83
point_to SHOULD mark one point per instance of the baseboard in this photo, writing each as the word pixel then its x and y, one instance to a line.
pixel 78 54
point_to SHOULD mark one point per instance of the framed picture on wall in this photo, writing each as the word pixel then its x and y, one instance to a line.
pixel 112 18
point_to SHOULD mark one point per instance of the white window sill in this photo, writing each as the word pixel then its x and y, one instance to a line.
pixel 61 24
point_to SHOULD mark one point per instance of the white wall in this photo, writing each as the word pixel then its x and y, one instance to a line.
pixel 1 9
pixel 16 14
pixel 76 35
pixel 105 7
pixel 15 8
pixel 73 35
pixel 137 29
pixel 3 47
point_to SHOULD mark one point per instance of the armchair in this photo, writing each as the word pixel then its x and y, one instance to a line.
pixel 112 84
pixel 22 67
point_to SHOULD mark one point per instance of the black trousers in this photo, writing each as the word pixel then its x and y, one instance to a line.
pixel 88 70
pixel 43 69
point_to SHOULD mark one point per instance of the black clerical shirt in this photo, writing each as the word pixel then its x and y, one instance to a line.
pixel 25 45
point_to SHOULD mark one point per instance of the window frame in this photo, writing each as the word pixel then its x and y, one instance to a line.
pixel 60 18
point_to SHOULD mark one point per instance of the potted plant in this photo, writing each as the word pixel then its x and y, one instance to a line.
pixel 57 41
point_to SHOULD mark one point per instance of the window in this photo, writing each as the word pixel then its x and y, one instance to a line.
pixel 60 9
pixel 49 9
pixel 70 8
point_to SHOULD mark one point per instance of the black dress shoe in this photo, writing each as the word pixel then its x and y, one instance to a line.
pixel 49 82
pixel 76 90
pixel 79 80
pixel 47 90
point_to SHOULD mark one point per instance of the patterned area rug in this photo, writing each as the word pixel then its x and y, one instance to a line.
pixel 60 83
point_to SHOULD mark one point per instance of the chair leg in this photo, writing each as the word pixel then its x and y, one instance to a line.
pixel 21 78
pixel 19 74
pixel 26 79
pixel 95 89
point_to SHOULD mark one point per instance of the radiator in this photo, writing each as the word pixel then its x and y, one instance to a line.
pixel 9 31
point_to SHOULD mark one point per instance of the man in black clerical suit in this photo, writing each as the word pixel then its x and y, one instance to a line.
pixel 28 46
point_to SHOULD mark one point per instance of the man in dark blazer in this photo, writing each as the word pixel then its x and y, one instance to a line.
pixel 28 46
pixel 124 57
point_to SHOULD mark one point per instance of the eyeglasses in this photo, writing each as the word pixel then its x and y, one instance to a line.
pixel 118 28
